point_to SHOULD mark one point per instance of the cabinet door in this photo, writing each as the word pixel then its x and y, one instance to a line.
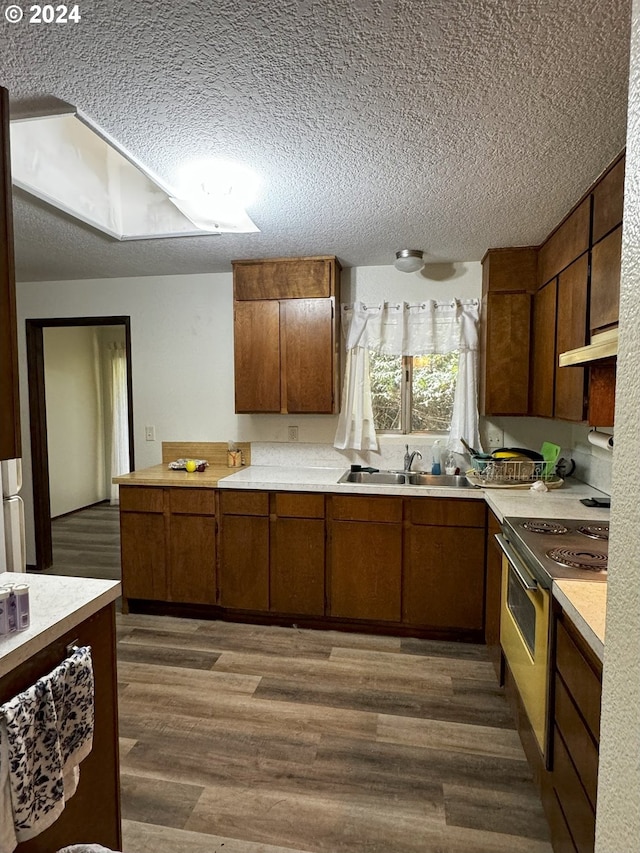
pixel 144 555
pixel 256 344
pixel 605 280
pixel 285 278
pixel 568 242
pixel 9 402
pixel 506 335
pixel 608 201
pixel 365 570
pixel 544 351
pixel 244 562
pixel 297 566
pixel 571 333
pixel 307 334
pixel 192 577
pixel 443 583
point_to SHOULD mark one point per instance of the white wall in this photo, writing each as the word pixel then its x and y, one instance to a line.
pixel 618 817
pixel 182 350
pixel 74 401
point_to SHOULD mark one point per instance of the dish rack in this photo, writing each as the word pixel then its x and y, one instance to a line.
pixel 506 471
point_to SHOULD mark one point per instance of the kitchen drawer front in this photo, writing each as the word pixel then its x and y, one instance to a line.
pixel 583 684
pixel 579 743
pixel 349 508
pixel 244 503
pixel 193 501
pixel 447 512
pixel 141 499
pixel 297 505
pixel 297 278
pixel 578 813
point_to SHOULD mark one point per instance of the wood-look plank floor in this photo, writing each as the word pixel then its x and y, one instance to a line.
pixel 87 543
pixel 245 739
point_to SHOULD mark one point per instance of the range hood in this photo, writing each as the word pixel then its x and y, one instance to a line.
pixel 603 345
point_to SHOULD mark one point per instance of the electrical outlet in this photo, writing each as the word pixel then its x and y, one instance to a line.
pixel 495 437
pixel 149 433
pixel 293 433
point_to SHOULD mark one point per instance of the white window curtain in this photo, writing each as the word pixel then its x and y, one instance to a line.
pixel 402 329
pixel 119 415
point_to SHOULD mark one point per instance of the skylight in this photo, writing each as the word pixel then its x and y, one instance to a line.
pixel 69 162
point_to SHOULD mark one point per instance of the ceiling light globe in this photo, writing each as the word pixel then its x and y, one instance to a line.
pixel 409 260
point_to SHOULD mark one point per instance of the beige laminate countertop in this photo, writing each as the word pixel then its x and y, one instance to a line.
pixel 162 475
pixel 586 605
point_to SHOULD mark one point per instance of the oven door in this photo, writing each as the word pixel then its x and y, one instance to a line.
pixel 524 637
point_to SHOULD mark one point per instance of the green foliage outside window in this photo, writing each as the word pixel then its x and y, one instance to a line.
pixel 431 387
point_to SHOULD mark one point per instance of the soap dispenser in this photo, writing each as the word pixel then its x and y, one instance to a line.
pixel 436 465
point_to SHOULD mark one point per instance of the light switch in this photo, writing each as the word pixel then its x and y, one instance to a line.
pixel 150 433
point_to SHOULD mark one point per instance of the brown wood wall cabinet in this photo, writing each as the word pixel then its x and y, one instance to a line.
pixel 509 278
pixel 9 401
pixel 168 544
pixel 408 565
pixel 285 335
pixel 576 282
pixel 93 813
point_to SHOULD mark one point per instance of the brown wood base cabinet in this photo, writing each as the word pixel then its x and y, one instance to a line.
pixel 400 565
pixel 366 558
pixel 243 578
pixel 444 564
pixel 168 544
pixel 576 738
pixel 93 813
pixel 297 554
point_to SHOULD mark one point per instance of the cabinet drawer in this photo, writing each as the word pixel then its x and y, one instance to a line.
pixel 350 508
pixel 244 503
pixel 579 743
pixel 193 501
pixel 447 512
pixel 296 505
pixel 566 244
pixel 285 278
pixel 583 684
pixel 141 499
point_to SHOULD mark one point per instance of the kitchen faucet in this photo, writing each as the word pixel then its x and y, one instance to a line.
pixel 409 457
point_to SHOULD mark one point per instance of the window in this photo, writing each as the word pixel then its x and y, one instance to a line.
pixel 413 393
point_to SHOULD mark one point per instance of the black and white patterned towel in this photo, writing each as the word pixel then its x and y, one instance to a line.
pixel 35 762
pixel 72 685
pixel 45 732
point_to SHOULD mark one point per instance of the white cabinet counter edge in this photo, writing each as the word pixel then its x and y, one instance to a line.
pixel 57 605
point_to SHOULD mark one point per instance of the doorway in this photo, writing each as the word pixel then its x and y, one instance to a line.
pixel 35 336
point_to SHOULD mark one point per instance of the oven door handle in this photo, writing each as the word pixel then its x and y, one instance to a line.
pixel 516 564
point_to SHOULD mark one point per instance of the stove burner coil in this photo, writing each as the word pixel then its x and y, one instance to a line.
pixel 594 531
pixel 576 559
pixel 541 526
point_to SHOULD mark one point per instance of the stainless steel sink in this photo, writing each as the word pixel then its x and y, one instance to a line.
pixel 380 478
pixel 398 478
pixel 447 480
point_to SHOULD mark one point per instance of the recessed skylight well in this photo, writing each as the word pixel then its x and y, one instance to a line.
pixel 69 162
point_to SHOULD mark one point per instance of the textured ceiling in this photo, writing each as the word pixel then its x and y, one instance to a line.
pixel 445 125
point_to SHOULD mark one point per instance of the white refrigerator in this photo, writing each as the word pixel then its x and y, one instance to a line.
pixel 12 537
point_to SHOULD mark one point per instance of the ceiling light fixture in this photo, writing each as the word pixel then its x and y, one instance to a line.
pixel 409 260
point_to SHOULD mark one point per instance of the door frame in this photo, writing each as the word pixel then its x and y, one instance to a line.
pixel 38 420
